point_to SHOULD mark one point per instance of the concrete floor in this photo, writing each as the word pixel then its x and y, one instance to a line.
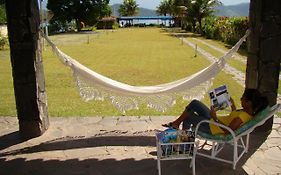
pixel 119 145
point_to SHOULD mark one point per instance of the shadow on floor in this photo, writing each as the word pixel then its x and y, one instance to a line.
pixel 10 140
pixel 68 143
pixel 13 163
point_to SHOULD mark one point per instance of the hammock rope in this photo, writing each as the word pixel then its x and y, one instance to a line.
pixel 94 86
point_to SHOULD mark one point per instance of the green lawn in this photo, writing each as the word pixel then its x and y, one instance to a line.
pixel 234 63
pixel 138 56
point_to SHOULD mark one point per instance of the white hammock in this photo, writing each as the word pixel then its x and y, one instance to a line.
pixel 125 97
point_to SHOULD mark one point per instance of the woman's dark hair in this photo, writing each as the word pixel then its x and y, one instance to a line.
pixel 259 102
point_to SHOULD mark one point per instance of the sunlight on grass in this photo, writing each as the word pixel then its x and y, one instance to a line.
pixel 232 62
pixel 7 98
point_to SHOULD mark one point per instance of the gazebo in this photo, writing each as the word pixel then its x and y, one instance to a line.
pixel 106 22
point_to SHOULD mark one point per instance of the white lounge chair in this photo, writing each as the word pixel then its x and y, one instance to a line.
pixel 235 138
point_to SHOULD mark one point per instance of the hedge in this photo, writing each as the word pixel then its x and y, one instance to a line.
pixel 226 29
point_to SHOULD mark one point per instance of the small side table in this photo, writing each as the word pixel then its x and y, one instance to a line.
pixel 176 151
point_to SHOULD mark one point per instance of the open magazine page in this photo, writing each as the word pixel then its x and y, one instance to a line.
pixel 220 98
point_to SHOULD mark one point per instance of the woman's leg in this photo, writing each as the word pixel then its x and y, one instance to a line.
pixel 198 108
pixel 194 120
pixel 195 107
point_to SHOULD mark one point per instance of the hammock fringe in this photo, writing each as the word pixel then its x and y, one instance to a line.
pixel 94 86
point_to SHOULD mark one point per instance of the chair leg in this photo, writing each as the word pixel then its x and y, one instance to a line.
pixel 235 153
pixel 247 142
pixel 193 165
pixel 159 166
pixel 213 148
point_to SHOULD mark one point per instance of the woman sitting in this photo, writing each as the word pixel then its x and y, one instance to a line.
pixel 252 102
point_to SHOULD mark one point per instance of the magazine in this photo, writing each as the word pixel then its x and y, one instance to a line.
pixel 220 98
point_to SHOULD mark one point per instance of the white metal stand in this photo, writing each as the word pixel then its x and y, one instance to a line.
pixel 176 151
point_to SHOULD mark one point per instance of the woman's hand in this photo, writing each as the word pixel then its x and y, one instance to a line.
pixel 233 107
pixel 213 113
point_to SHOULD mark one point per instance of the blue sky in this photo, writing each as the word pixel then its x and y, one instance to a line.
pixel 152 4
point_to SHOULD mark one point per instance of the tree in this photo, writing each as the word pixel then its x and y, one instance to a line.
pixel 180 11
pixel 165 8
pixel 3 18
pixel 199 9
pixel 128 8
pixel 175 8
pixel 86 11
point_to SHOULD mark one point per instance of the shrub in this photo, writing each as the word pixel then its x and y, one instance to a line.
pixel 232 29
pixel 228 30
pixel 115 25
pixel 3 42
pixel 210 28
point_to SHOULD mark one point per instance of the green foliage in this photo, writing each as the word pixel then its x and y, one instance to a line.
pixel 210 28
pixel 235 29
pixel 107 24
pixel 228 30
pixel 3 17
pixel 115 25
pixel 188 13
pixel 165 7
pixel 201 9
pixel 89 28
pixel 128 8
pixel 94 28
pixel 58 26
pixel 82 12
pixel 3 42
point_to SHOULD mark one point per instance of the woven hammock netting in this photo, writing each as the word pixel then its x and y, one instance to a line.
pixel 94 86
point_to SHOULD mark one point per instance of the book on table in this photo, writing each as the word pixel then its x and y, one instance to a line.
pixel 220 98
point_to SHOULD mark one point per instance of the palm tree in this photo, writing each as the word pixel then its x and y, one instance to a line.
pixel 173 8
pixel 165 8
pixel 199 9
pixel 128 8
pixel 179 11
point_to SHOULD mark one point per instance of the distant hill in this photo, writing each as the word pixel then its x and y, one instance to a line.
pixel 142 11
pixel 232 10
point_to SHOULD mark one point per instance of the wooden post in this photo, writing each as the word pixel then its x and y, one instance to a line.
pixel 264 44
pixel 27 68
pixel 195 55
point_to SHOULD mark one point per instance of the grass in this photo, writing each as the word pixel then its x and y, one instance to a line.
pixel 133 56
pixel 234 63
pixel 7 99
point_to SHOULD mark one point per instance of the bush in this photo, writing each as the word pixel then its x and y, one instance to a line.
pixel 115 25
pixel 3 42
pixel 89 28
pixel 228 30
pixel 106 24
pixel 94 28
pixel 210 28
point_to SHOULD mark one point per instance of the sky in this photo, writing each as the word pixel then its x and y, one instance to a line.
pixel 152 4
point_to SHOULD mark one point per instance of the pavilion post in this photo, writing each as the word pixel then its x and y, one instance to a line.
pixel 264 45
pixel 27 67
